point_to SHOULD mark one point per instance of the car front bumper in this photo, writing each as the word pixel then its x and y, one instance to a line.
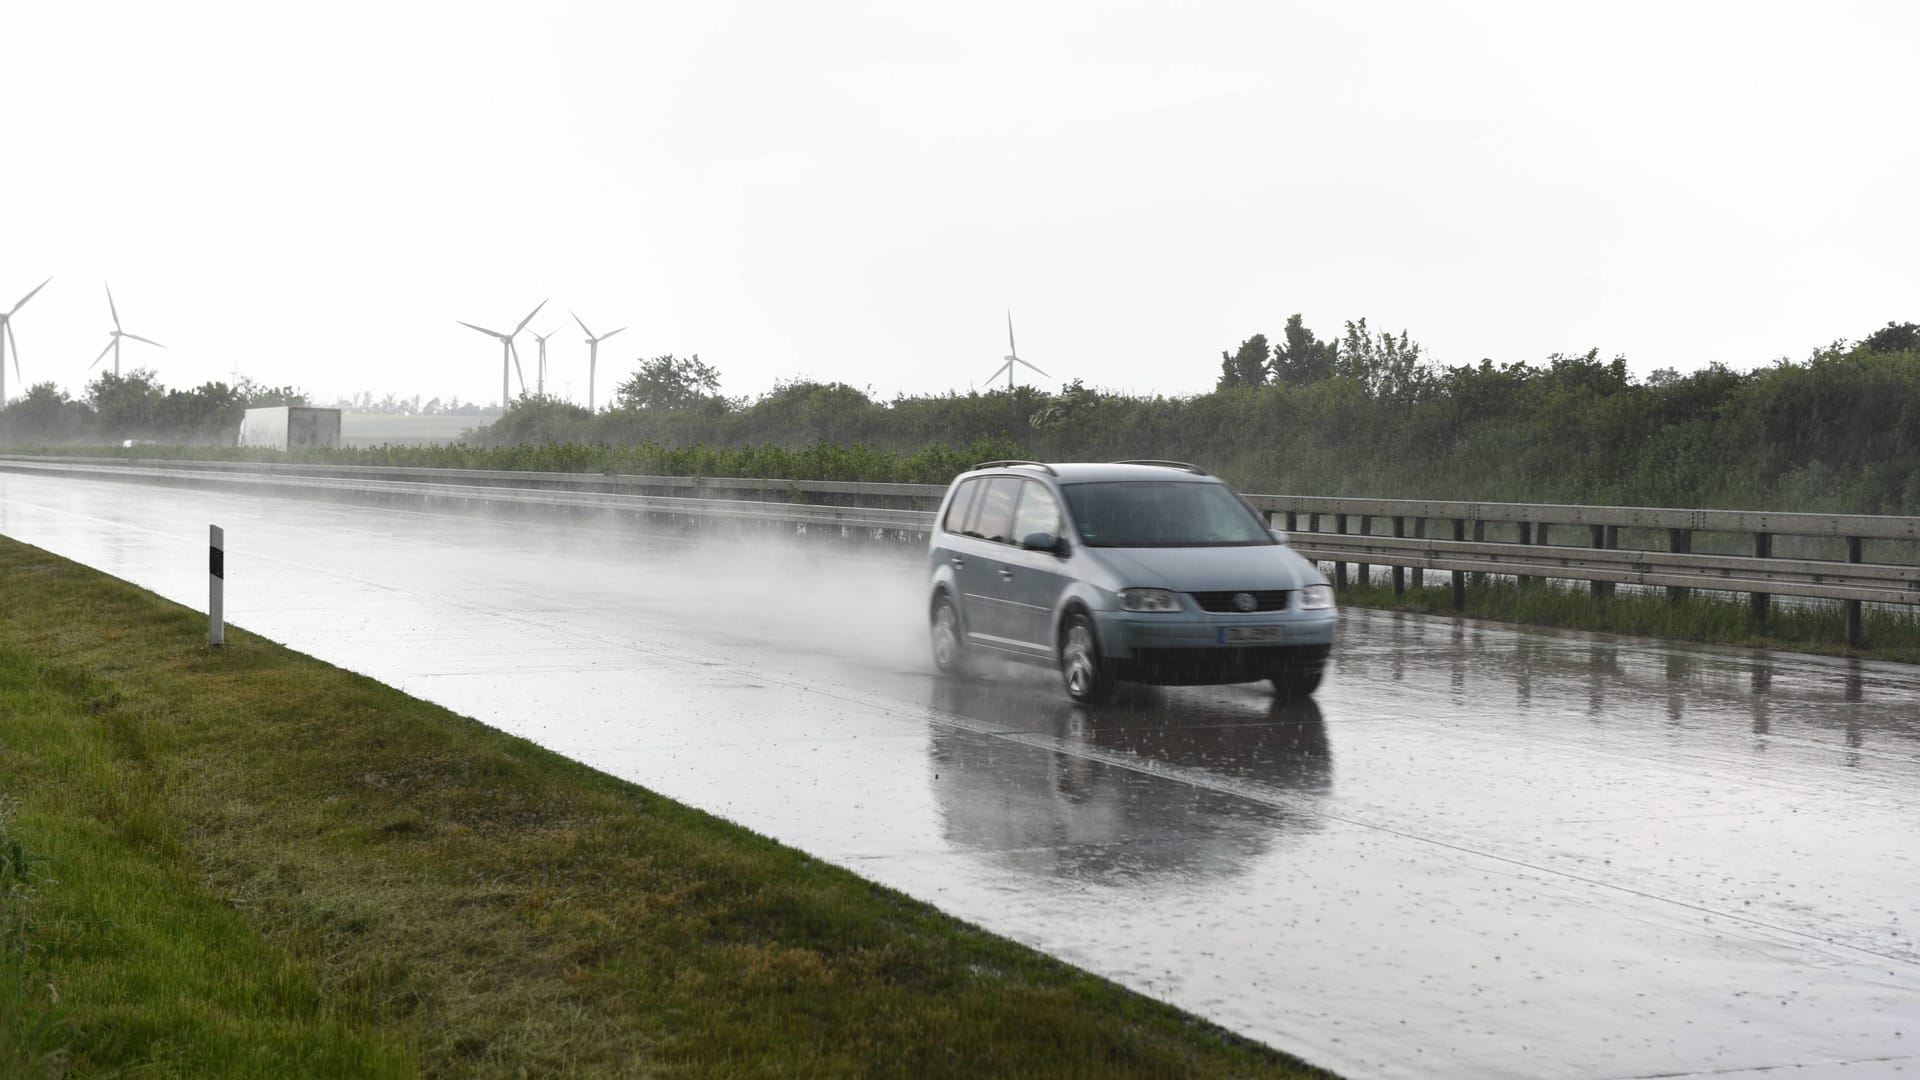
pixel 1184 649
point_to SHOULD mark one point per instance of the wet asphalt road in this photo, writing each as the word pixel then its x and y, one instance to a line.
pixel 1482 852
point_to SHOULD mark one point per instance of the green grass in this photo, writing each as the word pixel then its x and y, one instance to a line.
pixel 245 862
pixel 1814 627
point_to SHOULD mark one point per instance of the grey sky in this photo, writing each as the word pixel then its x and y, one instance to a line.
pixel 857 192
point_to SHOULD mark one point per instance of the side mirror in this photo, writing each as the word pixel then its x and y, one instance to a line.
pixel 1039 541
pixel 1279 536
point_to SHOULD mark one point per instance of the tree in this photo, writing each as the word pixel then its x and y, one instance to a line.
pixel 1894 337
pixel 127 405
pixel 1246 366
pixel 259 395
pixel 1075 402
pixel 1303 359
pixel 531 419
pixel 209 414
pixel 804 411
pixel 670 382
pixel 44 415
pixel 1386 367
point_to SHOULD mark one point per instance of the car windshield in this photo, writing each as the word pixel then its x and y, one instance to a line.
pixel 1163 513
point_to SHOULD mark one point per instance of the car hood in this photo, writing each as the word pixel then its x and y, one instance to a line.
pixel 1208 569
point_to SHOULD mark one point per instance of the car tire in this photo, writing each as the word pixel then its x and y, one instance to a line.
pixel 949 643
pixel 1085 673
pixel 1295 685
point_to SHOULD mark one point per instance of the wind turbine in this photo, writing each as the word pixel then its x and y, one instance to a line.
pixel 508 354
pixel 540 369
pixel 593 354
pixel 113 342
pixel 1013 357
pixel 6 335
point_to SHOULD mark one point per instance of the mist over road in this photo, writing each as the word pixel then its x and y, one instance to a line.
pixel 1480 852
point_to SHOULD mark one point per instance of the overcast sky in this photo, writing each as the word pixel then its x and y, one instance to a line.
pixel 314 194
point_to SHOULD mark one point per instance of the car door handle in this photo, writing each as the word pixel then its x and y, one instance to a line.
pixel 958 562
pixel 1006 574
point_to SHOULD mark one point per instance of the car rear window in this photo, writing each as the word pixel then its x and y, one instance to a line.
pixel 1163 513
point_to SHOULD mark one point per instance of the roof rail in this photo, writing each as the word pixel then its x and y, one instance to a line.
pixel 1016 461
pixel 1164 464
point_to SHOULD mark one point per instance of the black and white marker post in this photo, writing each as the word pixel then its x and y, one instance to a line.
pixel 216 585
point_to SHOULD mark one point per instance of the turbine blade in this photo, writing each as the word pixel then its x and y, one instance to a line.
pixel 529 318
pixel 102 356
pixel 1010 347
pixel 482 329
pixel 1015 358
pixel 29 296
pixel 515 353
pixel 583 326
pixel 110 307
pixel 16 351
pixel 998 370
pixel 156 344
pixel 609 334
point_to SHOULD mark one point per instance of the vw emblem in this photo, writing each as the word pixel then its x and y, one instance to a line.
pixel 1244 601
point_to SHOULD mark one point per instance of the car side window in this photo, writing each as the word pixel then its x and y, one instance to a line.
pixel 957 508
pixel 992 516
pixel 1038 511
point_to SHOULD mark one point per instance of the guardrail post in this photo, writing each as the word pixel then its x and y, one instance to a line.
pixel 1293 520
pixel 1399 572
pixel 1853 606
pixel 1479 537
pixel 1362 571
pixel 1419 572
pixel 1598 533
pixel 1679 542
pixel 1526 537
pixel 1459 576
pixel 1762 549
pixel 1340 568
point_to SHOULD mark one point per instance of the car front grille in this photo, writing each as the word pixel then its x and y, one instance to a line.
pixel 1263 600
pixel 1232 663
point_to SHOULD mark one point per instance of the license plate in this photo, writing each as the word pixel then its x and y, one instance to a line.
pixel 1249 635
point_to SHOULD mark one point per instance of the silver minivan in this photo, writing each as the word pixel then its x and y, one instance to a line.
pixel 1136 571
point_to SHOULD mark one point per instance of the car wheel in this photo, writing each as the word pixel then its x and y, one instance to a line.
pixel 1081 668
pixel 949 648
pixel 1295 685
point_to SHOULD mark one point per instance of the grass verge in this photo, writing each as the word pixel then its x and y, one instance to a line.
pixel 245 862
pixel 1810 627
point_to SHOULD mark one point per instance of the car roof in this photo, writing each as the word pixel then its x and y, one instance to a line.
pixel 1082 472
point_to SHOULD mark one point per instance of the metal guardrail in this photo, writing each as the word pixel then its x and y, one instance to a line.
pixel 1343 532
pixel 627 483
pixel 1867 526
pixel 586 493
pixel 1353 538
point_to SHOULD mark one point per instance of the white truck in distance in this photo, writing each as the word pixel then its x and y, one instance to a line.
pixel 291 427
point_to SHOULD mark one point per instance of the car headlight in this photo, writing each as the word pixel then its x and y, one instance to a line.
pixel 1148 600
pixel 1316 597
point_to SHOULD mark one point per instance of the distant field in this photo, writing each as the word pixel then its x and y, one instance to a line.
pixel 381 429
